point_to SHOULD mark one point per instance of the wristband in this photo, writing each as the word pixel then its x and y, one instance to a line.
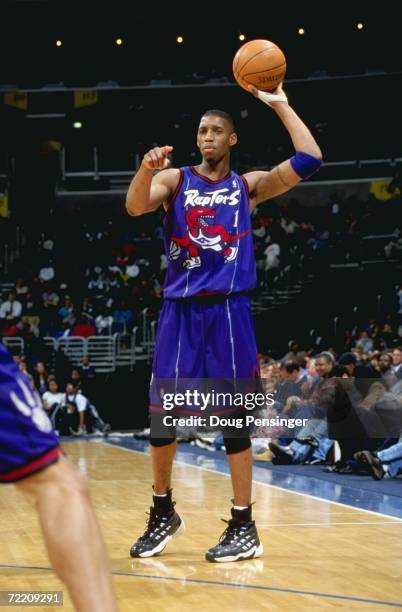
pixel 267 98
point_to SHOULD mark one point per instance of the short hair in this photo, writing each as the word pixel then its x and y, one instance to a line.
pixel 339 371
pixel 327 356
pixel 223 114
pixel 347 359
pixel 290 366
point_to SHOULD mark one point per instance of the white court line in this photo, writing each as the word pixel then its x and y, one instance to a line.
pixel 354 523
pixel 265 484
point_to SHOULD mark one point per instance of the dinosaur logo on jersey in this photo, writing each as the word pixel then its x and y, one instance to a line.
pixel 203 234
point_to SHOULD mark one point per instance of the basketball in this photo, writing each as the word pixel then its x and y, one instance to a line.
pixel 260 63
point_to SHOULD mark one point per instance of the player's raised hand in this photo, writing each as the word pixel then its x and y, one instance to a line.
pixel 157 158
pixel 272 98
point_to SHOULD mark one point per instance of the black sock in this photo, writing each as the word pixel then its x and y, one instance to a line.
pixel 242 515
pixel 164 504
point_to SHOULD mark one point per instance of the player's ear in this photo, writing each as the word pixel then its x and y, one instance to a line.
pixel 232 139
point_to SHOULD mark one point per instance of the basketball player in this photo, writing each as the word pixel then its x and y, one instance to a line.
pixel 30 457
pixel 205 328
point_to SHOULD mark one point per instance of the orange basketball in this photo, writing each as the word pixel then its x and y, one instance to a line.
pixel 260 63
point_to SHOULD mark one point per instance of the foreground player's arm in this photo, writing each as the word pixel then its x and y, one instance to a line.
pixel 148 191
pixel 306 161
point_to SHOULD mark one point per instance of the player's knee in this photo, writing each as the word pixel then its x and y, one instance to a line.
pixel 70 484
pixel 236 445
pixel 78 483
pixel 159 442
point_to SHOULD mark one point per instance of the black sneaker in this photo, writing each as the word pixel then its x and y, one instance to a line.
pixel 371 462
pixel 283 454
pixel 239 541
pixel 161 528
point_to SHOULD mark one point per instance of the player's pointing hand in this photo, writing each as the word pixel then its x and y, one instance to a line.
pixel 157 158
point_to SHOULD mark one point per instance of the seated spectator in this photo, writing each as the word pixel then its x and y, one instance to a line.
pixel 365 342
pixel 52 400
pixel 97 282
pixel 83 328
pixel 72 418
pixel 67 310
pixel 76 379
pixel 291 383
pixel 40 377
pixel 87 307
pixel 21 288
pixel 63 331
pixel 312 376
pixel 46 273
pixel 31 306
pixel 87 371
pixel 79 415
pixel 314 435
pixel 23 365
pixel 363 373
pixel 104 322
pixel 11 309
pixel 50 297
pixel 113 281
pixel 385 366
pixel 33 323
pixel 397 362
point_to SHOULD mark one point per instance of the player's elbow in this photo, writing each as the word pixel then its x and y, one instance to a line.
pixel 131 210
pixel 314 150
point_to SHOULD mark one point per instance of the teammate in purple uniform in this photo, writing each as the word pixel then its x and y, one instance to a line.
pixel 30 457
pixel 205 328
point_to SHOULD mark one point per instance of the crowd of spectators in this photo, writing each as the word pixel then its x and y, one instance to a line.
pixel 116 268
pixel 347 408
pixel 65 394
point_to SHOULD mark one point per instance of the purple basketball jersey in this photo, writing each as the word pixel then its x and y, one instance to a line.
pixel 27 441
pixel 208 237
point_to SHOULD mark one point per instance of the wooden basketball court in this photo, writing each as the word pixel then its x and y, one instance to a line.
pixel 318 555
